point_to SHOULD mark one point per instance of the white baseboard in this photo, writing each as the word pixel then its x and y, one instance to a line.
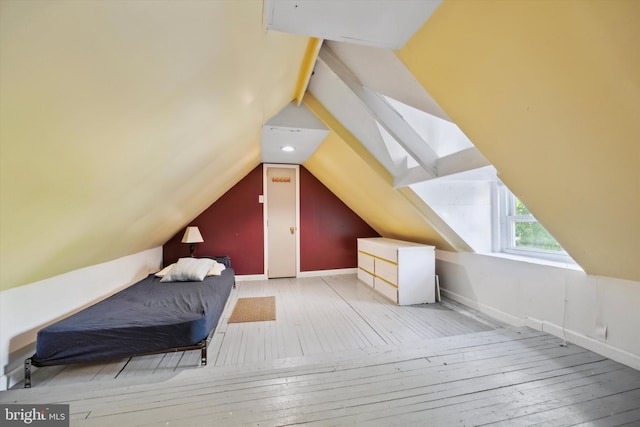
pixel 327 272
pixel 12 378
pixel 14 370
pixel 592 344
pixel 486 309
pixel 250 277
pixel 570 336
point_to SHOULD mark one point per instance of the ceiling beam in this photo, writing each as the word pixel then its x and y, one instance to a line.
pixel 410 176
pixel 384 114
pixel 422 209
pixel 387 24
pixel 334 125
pixel 461 161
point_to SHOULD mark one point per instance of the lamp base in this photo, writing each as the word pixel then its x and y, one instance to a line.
pixel 192 246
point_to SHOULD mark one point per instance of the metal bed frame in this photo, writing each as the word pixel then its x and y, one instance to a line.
pixel 202 346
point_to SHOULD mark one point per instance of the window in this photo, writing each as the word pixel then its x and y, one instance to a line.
pixel 519 233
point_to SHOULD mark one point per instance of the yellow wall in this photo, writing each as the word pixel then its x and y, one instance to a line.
pixel 549 91
pixel 122 121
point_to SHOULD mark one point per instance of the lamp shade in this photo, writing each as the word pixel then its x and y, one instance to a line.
pixel 192 235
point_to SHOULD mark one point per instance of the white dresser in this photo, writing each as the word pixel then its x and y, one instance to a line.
pixel 402 271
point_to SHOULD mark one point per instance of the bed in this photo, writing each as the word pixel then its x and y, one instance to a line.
pixel 170 311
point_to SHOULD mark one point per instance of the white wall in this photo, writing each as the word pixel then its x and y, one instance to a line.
pixel 559 299
pixel 465 205
pixel 26 309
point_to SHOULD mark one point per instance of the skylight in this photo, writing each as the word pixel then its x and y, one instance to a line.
pixel 443 136
pixel 398 155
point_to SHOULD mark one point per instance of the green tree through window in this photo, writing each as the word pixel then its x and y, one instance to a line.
pixel 529 233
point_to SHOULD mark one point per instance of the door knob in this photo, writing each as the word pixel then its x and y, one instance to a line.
pixel 292 229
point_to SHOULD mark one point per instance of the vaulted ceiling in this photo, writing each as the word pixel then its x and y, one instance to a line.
pixel 122 121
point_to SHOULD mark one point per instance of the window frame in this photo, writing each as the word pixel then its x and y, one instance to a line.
pixel 505 218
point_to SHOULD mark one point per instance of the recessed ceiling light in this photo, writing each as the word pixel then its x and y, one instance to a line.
pixel 287 148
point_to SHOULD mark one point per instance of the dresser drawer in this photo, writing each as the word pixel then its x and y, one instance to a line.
pixel 367 245
pixel 366 262
pixel 386 289
pixel 365 277
pixel 387 270
pixel 387 252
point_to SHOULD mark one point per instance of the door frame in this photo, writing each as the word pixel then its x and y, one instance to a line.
pixel 266 166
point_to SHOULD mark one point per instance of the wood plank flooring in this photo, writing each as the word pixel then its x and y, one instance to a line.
pixel 340 354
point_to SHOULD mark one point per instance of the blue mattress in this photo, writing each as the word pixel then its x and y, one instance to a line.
pixel 146 317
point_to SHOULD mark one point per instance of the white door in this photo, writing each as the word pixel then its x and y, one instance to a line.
pixel 281 221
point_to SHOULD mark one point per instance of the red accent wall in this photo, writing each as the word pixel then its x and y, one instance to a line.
pixel 233 226
pixel 328 228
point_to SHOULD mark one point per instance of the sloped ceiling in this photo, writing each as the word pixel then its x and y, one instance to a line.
pixel 549 92
pixel 122 121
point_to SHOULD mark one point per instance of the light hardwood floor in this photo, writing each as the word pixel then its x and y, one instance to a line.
pixel 338 354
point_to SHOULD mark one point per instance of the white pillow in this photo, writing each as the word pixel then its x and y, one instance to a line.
pixel 217 269
pixel 165 270
pixel 189 270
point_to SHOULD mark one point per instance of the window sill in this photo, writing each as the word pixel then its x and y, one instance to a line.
pixel 532 260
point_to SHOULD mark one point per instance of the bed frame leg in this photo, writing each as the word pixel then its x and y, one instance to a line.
pixel 27 373
pixel 203 356
pixel 234 284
